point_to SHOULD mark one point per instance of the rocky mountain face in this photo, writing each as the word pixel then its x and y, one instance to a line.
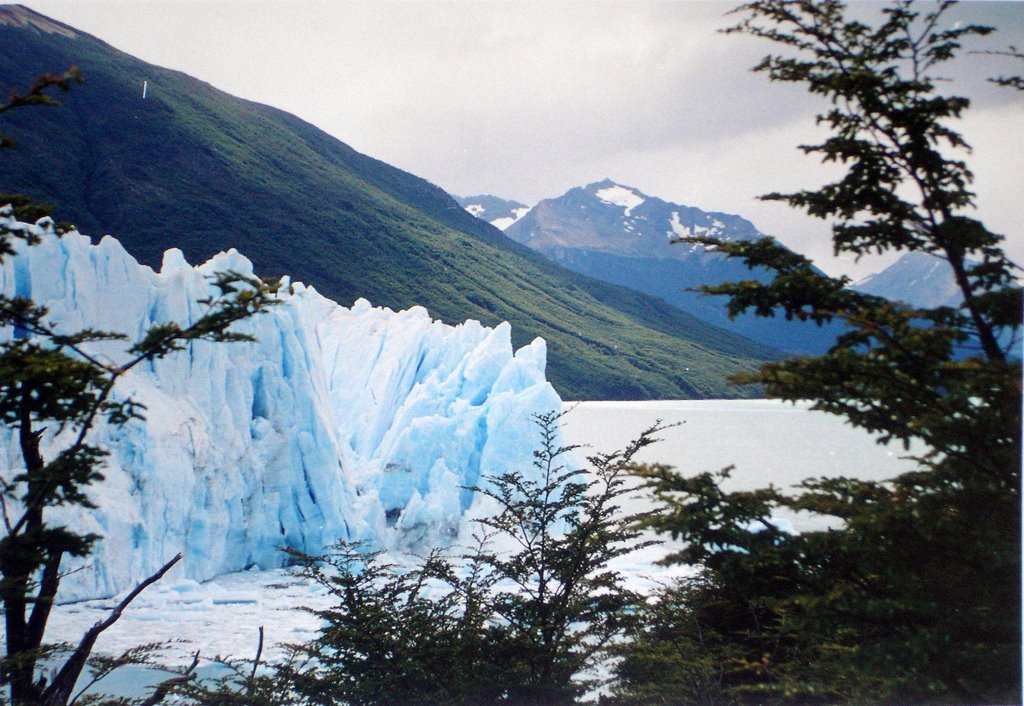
pixel 620 235
pixel 917 279
pixel 620 220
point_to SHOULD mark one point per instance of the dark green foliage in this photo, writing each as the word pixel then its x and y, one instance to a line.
pixel 417 636
pixel 912 594
pixel 194 168
pixel 565 526
pixel 681 650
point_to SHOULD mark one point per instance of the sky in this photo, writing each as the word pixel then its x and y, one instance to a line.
pixel 528 99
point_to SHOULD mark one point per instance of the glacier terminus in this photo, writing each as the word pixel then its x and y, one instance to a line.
pixel 335 423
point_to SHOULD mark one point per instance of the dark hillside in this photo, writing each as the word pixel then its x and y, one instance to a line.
pixel 192 167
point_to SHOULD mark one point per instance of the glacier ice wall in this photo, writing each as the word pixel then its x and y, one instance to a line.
pixel 359 423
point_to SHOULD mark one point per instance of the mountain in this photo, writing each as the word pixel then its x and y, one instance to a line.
pixel 926 281
pixel 918 279
pixel 620 235
pixel 191 167
pixel 334 423
pixel 500 213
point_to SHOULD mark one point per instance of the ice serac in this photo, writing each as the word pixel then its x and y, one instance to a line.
pixel 335 423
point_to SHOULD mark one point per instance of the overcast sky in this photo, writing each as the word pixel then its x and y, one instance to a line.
pixel 526 100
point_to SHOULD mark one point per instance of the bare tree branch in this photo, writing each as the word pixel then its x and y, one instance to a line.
pixel 59 691
pixel 255 665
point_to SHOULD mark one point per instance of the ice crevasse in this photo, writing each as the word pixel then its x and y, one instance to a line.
pixel 336 423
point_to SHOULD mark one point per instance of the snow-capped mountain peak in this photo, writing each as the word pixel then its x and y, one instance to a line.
pixel 614 218
pixel 619 234
pixel 621 196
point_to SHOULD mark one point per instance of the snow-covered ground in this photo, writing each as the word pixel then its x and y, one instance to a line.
pixel 768 442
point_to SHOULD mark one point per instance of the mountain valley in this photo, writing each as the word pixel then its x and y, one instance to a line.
pixel 188 166
pixel 620 235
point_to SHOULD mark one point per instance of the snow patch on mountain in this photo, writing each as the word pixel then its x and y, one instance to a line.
pixel 336 423
pixel 620 196
pixel 681 230
pixel 503 223
pixel 678 229
pixel 500 213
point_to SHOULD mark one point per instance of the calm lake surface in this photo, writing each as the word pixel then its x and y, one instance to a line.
pixel 767 441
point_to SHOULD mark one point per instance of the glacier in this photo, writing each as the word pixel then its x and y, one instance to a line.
pixel 336 423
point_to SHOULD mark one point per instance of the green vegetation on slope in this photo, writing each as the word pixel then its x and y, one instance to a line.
pixel 192 167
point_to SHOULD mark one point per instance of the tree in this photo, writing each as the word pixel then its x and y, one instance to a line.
pixel 417 635
pixel 518 619
pixel 914 594
pixel 420 632
pixel 671 656
pixel 53 390
pixel 565 605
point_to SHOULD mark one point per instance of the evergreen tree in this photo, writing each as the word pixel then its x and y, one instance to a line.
pixel 416 635
pixel 563 605
pixel 518 620
pixel 54 388
pixel 914 594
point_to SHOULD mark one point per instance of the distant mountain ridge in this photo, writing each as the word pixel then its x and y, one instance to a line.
pixel 633 224
pixel 616 219
pixel 917 279
pixel 500 213
pixel 620 235
pixel 189 166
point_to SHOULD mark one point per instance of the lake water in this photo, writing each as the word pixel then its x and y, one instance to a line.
pixel 766 440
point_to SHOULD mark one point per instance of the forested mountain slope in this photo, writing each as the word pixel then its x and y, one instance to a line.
pixel 189 166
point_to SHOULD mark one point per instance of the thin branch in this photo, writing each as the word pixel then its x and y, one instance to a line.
pixel 164 687
pixel 7 517
pixel 255 665
pixel 36 91
pixel 60 690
